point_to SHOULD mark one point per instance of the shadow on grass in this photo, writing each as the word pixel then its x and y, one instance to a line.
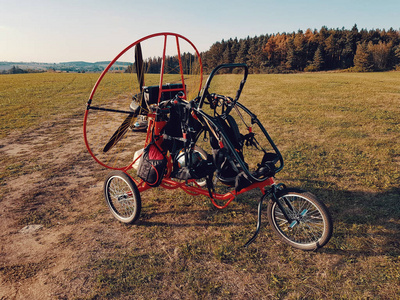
pixel 192 212
pixel 365 223
pixel 194 218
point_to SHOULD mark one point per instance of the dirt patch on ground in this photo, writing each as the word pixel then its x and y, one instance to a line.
pixel 59 241
pixel 55 228
pixel 52 182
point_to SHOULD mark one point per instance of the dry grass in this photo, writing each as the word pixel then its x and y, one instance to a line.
pixel 339 137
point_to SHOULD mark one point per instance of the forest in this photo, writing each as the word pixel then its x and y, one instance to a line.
pixel 313 50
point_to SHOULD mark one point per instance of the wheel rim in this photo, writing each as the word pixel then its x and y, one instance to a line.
pixel 121 197
pixel 308 225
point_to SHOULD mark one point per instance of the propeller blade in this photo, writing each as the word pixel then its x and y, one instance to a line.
pixel 140 75
pixel 117 136
pixel 139 65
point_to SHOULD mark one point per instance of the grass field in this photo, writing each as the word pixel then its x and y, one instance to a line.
pixel 339 135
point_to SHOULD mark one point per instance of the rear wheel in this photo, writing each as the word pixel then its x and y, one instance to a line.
pixel 311 224
pixel 122 197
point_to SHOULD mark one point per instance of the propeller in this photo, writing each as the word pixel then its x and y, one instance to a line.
pixel 139 66
pixel 123 128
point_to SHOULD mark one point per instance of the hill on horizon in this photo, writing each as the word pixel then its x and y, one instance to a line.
pixel 72 66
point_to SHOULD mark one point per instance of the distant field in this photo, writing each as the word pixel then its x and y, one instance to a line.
pixel 28 99
pixel 339 134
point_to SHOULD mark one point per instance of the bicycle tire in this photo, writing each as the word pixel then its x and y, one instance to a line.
pixel 311 226
pixel 122 197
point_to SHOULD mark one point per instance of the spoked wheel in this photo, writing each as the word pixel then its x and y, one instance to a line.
pixel 311 224
pixel 122 197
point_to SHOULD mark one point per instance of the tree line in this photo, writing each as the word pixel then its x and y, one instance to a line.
pixel 152 65
pixel 18 70
pixel 313 50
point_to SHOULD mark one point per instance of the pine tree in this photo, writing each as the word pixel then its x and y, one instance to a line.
pixel 362 59
pixel 396 53
pixel 351 39
pixel 331 48
pixel 243 50
pixel 318 61
pixel 234 49
pixel 226 55
pixel 291 57
pixel 300 50
pixel 252 55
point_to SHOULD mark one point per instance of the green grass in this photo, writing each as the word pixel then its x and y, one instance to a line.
pixel 26 100
pixel 339 135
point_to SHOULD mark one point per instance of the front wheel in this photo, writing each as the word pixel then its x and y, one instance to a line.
pixel 310 226
pixel 122 197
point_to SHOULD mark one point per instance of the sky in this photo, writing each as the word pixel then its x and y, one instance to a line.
pixel 56 31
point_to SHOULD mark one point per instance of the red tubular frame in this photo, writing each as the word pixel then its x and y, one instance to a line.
pixel 161 90
pixel 167 182
pixel 170 184
pixel 165 34
pixel 196 190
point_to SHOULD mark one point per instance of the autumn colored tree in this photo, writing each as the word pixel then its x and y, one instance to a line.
pixel 396 55
pixel 380 54
pixel 276 49
pixel 312 50
pixel 362 59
